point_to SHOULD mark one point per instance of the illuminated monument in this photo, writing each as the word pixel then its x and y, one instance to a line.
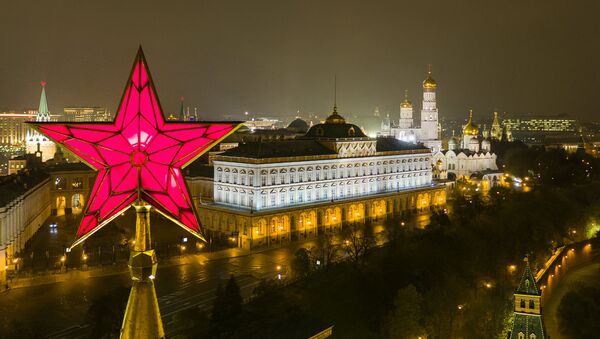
pixel 139 157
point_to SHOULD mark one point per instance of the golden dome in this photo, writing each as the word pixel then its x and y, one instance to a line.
pixel 406 103
pixel 470 128
pixel 429 83
pixel 335 118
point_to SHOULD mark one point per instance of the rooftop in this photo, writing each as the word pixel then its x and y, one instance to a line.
pixel 278 149
pixel 13 186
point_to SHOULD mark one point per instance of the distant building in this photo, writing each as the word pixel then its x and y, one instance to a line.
pixel 13 130
pixel 540 129
pixel 261 123
pixel 528 308
pixel 83 114
pixel 23 162
pixel 36 142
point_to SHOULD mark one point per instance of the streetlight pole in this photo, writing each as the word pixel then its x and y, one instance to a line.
pixel 142 316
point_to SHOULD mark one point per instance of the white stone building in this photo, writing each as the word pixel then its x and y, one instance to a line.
pixel 470 155
pixel 335 160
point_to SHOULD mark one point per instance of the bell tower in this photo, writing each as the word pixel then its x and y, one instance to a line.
pixel 429 115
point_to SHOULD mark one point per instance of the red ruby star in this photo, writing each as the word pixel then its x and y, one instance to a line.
pixel 139 156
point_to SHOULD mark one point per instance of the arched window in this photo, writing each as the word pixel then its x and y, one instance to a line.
pixel 522 303
pixel 521 335
pixel 531 304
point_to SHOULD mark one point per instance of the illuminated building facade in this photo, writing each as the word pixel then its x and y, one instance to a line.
pixel 267 192
pixel 24 206
pixel 69 187
pixel 78 113
pixel 540 129
pixel 428 133
pixel 528 308
pixel 13 130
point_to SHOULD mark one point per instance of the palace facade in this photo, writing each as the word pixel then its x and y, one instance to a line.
pixel 266 192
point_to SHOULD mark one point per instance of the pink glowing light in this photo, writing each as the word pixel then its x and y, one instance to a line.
pixel 139 156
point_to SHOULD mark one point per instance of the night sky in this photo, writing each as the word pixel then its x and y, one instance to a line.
pixel 275 57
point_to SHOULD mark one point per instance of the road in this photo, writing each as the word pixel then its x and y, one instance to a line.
pixel 58 310
pixel 58 307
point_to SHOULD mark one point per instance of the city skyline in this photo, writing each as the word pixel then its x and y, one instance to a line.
pixel 239 62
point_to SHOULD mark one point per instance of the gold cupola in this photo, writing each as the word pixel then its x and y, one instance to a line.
pixel 470 128
pixel 429 83
pixel 335 118
pixel 406 103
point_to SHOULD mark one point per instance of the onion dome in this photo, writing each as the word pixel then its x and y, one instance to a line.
pixel 452 144
pixel 470 128
pixel 429 83
pixel 406 103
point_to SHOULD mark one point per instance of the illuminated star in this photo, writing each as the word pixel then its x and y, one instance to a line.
pixel 139 156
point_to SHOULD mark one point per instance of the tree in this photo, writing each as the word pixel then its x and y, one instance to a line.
pixel 301 263
pixel 357 242
pixel 326 250
pixel 227 309
pixel 106 313
pixel 578 313
pixel 406 319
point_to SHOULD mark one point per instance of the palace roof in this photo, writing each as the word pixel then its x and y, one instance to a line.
pixel 278 149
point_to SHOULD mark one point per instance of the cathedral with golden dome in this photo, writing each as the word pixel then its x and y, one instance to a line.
pixel 467 156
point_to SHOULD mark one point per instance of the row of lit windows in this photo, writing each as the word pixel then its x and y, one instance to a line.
pixel 301 195
pixel 302 174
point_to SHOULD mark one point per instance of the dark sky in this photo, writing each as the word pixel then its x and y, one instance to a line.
pixel 274 57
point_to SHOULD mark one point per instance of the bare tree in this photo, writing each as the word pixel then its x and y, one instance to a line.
pixel 357 241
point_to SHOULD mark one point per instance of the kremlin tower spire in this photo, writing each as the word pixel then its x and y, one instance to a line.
pixel 43 113
pixel 37 143
pixel 528 309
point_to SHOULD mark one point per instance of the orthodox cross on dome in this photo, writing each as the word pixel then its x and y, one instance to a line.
pixel 139 156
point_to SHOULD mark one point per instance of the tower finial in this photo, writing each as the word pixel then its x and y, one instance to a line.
pixel 470 114
pixel 405 94
pixel 430 67
pixel 335 93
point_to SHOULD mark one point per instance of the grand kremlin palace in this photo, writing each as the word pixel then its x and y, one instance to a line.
pixel 268 192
